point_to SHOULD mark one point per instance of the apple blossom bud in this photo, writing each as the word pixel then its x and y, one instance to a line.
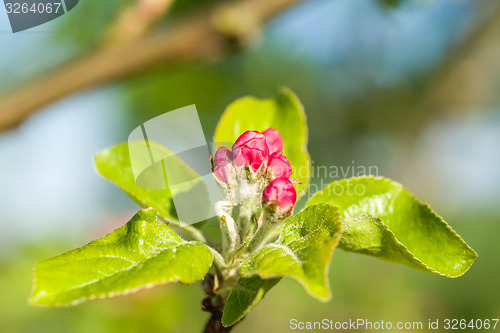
pixel 223 165
pixel 251 149
pixel 274 140
pixel 279 197
pixel 279 166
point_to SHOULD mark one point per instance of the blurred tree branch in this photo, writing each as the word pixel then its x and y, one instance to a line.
pixel 135 20
pixel 203 36
pixel 464 83
pixel 468 79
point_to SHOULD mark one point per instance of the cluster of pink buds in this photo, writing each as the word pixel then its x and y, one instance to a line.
pixel 258 157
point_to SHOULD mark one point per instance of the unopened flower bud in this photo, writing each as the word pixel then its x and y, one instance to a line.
pixel 279 166
pixel 274 140
pixel 223 166
pixel 279 197
pixel 250 149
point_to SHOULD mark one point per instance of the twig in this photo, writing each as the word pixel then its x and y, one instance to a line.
pixel 465 79
pixel 202 36
pixel 214 304
pixel 135 20
pixel 194 232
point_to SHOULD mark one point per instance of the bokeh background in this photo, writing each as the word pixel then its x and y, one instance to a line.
pixel 411 87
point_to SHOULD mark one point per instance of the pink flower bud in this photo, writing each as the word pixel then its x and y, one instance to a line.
pixel 274 140
pixel 251 149
pixel 280 196
pixel 279 166
pixel 223 165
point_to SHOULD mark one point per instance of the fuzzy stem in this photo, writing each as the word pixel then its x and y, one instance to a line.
pixel 263 233
pixel 230 238
pixel 250 205
pixel 192 231
pixel 195 233
pixel 218 259
pixel 244 220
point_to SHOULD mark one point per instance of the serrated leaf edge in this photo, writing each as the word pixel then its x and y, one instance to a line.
pixel 120 293
pixel 321 298
pixel 425 204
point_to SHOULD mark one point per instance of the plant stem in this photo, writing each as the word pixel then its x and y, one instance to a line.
pixel 214 324
pixel 195 233
pixel 214 303
pixel 218 259
pixel 250 206
pixel 262 234
pixel 192 231
pixel 230 237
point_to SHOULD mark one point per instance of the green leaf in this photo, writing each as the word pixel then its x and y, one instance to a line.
pixel 303 250
pixel 242 299
pixel 142 253
pixel 115 165
pixel 401 229
pixel 284 113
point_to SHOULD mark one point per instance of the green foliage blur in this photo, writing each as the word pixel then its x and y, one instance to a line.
pixel 376 92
